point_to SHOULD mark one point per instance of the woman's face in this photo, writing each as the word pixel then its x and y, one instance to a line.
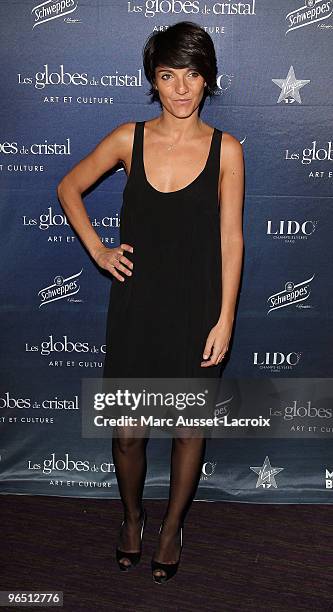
pixel 180 89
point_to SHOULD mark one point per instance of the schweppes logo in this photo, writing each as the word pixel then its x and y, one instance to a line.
pixel 310 12
pixel 52 9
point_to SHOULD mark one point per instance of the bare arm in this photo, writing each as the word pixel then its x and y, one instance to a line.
pixel 108 152
pixel 231 208
pixel 231 197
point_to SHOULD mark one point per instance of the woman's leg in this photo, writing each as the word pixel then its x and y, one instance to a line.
pixel 186 463
pixel 129 457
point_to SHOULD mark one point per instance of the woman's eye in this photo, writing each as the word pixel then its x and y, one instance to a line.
pixel 194 73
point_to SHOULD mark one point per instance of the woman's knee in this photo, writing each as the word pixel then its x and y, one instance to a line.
pixel 187 438
pixel 126 442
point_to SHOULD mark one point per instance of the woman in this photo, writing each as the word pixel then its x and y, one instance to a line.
pixel 180 243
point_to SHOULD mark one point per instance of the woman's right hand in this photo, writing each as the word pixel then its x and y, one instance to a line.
pixel 114 260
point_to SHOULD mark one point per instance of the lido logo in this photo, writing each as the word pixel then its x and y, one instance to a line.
pixel 276 360
pixel 208 469
pixel 52 9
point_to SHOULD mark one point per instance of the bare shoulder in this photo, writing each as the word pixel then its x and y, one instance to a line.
pixel 231 143
pixel 121 139
pixel 124 131
pixel 115 147
pixel 231 153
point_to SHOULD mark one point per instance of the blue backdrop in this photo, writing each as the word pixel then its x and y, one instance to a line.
pixel 71 72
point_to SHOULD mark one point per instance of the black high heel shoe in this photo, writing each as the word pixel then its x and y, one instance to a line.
pixel 133 557
pixel 169 568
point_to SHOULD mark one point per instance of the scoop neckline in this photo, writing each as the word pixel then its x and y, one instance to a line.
pixel 182 188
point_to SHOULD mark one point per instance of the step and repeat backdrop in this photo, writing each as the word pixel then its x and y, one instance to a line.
pixel 71 71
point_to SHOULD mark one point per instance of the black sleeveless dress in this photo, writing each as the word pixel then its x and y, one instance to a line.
pixel 159 318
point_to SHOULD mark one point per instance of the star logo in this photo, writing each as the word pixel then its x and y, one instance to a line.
pixel 290 87
pixel 266 474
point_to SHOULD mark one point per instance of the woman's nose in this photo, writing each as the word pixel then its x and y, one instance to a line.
pixel 181 87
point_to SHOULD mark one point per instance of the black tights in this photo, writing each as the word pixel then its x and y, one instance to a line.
pixel 129 456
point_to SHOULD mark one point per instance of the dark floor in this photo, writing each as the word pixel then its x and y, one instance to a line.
pixel 236 556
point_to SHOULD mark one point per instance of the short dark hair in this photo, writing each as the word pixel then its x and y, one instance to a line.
pixel 184 44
